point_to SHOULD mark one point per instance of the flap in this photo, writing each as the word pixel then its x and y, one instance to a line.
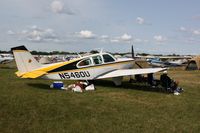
pixel 129 72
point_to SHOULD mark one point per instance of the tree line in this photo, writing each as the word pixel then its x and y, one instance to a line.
pixel 92 52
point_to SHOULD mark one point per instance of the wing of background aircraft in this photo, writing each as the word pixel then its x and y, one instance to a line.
pixel 129 72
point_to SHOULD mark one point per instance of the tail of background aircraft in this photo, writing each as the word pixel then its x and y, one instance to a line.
pixel 24 60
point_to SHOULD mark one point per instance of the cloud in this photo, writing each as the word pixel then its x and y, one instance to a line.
pixel 126 37
pixel 196 32
pixel 86 34
pixel 104 37
pixel 159 38
pixel 59 7
pixel 24 31
pixel 190 31
pixel 34 27
pixel 36 34
pixel 123 38
pixel 114 40
pixel 140 20
pixel 137 40
pixel 10 32
pixel 183 29
pixel 42 35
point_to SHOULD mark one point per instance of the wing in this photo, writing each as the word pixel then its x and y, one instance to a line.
pixel 129 72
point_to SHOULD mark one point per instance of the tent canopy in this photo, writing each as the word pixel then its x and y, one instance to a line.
pixel 194 64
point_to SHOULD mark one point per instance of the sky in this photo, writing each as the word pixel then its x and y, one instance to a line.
pixel 155 27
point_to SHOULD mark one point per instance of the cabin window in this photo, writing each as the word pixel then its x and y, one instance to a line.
pixel 97 59
pixel 108 58
pixel 85 62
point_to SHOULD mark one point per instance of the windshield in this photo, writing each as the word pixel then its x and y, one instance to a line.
pixel 108 58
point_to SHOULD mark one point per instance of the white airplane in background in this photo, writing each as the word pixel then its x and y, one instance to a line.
pixel 6 58
pixel 156 62
pixel 91 67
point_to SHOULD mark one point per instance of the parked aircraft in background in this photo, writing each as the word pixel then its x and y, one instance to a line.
pixel 160 60
pixel 156 62
pixel 6 58
pixel 91 67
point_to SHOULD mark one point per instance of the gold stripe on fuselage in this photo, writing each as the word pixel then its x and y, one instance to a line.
pixel 57 65
pixel 53 66
pixel 91 67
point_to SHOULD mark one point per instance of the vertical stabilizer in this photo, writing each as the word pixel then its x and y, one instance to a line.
pixel 24 60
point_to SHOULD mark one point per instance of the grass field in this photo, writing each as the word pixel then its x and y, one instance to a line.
pixel 31 106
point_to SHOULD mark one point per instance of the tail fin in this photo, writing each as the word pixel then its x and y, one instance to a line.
pixel 24 60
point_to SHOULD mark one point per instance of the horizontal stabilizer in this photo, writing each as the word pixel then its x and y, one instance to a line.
pixel 33 74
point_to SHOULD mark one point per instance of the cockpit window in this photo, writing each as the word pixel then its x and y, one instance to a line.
pixel 97 59
pixel 108 58
pixel 85 62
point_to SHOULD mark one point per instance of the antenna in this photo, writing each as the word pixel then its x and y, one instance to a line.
pixel 79 55
pixel 99 49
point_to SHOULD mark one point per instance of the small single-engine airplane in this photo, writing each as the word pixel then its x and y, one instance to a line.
pixel 6 58
pixel 91 67
pixel 156 62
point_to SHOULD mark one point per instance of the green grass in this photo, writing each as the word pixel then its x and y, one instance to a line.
pixel 31 106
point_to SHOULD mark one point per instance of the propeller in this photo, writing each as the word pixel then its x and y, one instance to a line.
pixel 132 52
pixel 133 56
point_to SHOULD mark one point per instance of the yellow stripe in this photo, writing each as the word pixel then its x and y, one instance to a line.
pixel 49 68
pixel 20 51
pixel 33 74
pixel 79 69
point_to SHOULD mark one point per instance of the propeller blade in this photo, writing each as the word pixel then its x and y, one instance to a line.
pixel 133 56
pixel 132 52
pixel 138 65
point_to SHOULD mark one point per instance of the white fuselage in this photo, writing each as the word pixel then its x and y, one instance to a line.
pixel 91 72
pixel 91 67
